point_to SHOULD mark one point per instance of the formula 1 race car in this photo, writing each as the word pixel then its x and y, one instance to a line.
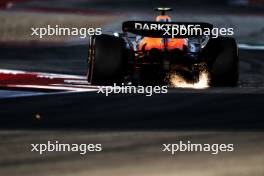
pixel 151 54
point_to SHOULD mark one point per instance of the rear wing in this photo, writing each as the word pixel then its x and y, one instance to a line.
pixel 168 29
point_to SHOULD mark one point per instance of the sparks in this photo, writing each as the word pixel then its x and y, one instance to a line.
pixel 180 82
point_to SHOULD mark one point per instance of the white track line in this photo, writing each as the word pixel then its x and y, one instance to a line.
pixel 42 74
pixel 251 47
pixel 62 88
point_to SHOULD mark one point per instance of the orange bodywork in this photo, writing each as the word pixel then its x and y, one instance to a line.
pixel 172 43
pixel 148 43
pixel 164 18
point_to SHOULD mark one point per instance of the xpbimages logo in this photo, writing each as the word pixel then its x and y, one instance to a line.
pixel 56 30
pixel 56 146
pixel 129 89
pixel 188 146
pixel 183 30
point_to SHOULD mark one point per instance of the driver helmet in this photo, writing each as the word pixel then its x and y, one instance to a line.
pixel 163 18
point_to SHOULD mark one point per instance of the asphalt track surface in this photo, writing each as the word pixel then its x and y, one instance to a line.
pixel 213 108
pixel 131 153
pixel 132 128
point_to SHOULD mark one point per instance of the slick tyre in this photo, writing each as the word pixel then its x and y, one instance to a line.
pixel 224 70
pixel 106 62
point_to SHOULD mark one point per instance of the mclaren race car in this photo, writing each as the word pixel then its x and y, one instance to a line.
pixel 149 52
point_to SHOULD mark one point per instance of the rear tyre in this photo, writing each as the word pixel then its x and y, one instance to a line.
pixel 106 63
pixel 224 69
